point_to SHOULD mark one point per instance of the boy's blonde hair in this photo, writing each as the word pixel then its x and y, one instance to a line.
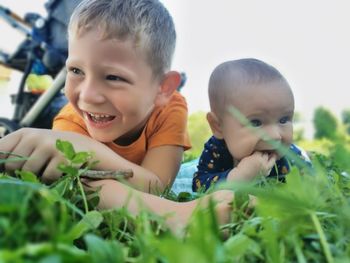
pixel 146 22
pixel 241 73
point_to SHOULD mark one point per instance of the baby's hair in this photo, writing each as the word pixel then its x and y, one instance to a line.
pixel 146 22
pixel 230 75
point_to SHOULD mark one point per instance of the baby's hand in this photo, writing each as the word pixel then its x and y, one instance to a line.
pixel 258 163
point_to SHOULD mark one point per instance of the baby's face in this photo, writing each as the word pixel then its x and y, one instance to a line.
pixel 269 108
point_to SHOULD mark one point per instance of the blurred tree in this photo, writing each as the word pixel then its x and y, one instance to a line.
pixel 298 134
pixel 345 116
pixel 199 132
pixel 325 124
pixel 297 117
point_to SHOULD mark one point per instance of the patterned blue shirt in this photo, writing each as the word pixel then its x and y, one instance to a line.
pixel 216 162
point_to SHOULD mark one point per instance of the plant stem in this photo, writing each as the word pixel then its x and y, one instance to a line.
pixel 298 252
pixel 323 240
pixel 116 175
pixel 81 188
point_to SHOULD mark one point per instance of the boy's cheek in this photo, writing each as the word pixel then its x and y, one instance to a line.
pixel 67 88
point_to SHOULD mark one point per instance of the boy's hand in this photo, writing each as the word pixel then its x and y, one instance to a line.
pixel 249 167
pixel 38 146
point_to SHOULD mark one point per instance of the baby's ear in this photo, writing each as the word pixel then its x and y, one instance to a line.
pixel 168 85
pixel 215 125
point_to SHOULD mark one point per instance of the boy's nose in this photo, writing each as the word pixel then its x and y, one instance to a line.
pixel 90 93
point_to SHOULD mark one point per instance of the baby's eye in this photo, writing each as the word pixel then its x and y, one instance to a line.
pixel 284 120
pixel 255 123
pixel 114 78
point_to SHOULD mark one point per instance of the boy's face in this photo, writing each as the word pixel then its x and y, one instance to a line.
pixel 268 107
pixel 110 85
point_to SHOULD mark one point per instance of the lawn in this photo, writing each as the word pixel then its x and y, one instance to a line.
pixel 305 219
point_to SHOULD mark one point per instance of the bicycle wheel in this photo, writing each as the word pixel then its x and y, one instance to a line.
pixel 7 126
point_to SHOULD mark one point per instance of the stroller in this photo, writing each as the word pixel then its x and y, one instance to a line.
pixel 43 51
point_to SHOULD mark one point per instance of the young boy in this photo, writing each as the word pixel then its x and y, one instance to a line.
pixel 123 107
pixel 238 151
pixel 122 93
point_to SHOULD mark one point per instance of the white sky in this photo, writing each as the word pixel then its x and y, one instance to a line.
pixel 308 41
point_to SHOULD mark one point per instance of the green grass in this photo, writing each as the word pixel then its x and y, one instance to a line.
pixel 305 219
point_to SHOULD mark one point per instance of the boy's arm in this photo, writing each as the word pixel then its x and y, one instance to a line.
pixel 38 146
pixel 164 162
pixel 177 215
pixel 157 170
pixel 159 164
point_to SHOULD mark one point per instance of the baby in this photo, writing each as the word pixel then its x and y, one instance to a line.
pixel 252 107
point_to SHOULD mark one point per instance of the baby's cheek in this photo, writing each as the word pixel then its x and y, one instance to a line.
pixel 238 152
pixel 287 136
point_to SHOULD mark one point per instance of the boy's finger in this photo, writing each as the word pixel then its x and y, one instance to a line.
pixel 19 149
pixel 37 161
pixel 51 173
pixel 9 143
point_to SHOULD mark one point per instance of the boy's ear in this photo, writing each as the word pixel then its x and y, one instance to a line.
pixel 215 125
pixel 168 85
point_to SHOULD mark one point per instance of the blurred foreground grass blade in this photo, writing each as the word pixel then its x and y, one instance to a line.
pixel 22 203
pixel 90 221
pixel 240 247
pixel 45 252
pixel 104 250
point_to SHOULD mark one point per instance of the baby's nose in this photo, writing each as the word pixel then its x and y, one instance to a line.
pixel 273 133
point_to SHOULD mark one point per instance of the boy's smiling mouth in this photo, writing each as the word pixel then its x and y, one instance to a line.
pixel 98 118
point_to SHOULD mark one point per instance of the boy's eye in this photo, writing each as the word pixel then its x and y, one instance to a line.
pixel 284 120
pixel 255 123
pixel 114 78
pixel 75 71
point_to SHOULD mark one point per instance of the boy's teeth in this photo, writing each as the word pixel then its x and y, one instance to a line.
pixel 101 117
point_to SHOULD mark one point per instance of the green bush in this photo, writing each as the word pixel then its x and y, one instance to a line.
pixel 199 132
pixel 325 124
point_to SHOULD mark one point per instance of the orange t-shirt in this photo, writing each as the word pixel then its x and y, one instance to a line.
pixel 167 125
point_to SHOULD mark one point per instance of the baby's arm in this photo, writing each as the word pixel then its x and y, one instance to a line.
pixel 254 165
pixel 214 165
pixel 247 169
pixel 203 180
